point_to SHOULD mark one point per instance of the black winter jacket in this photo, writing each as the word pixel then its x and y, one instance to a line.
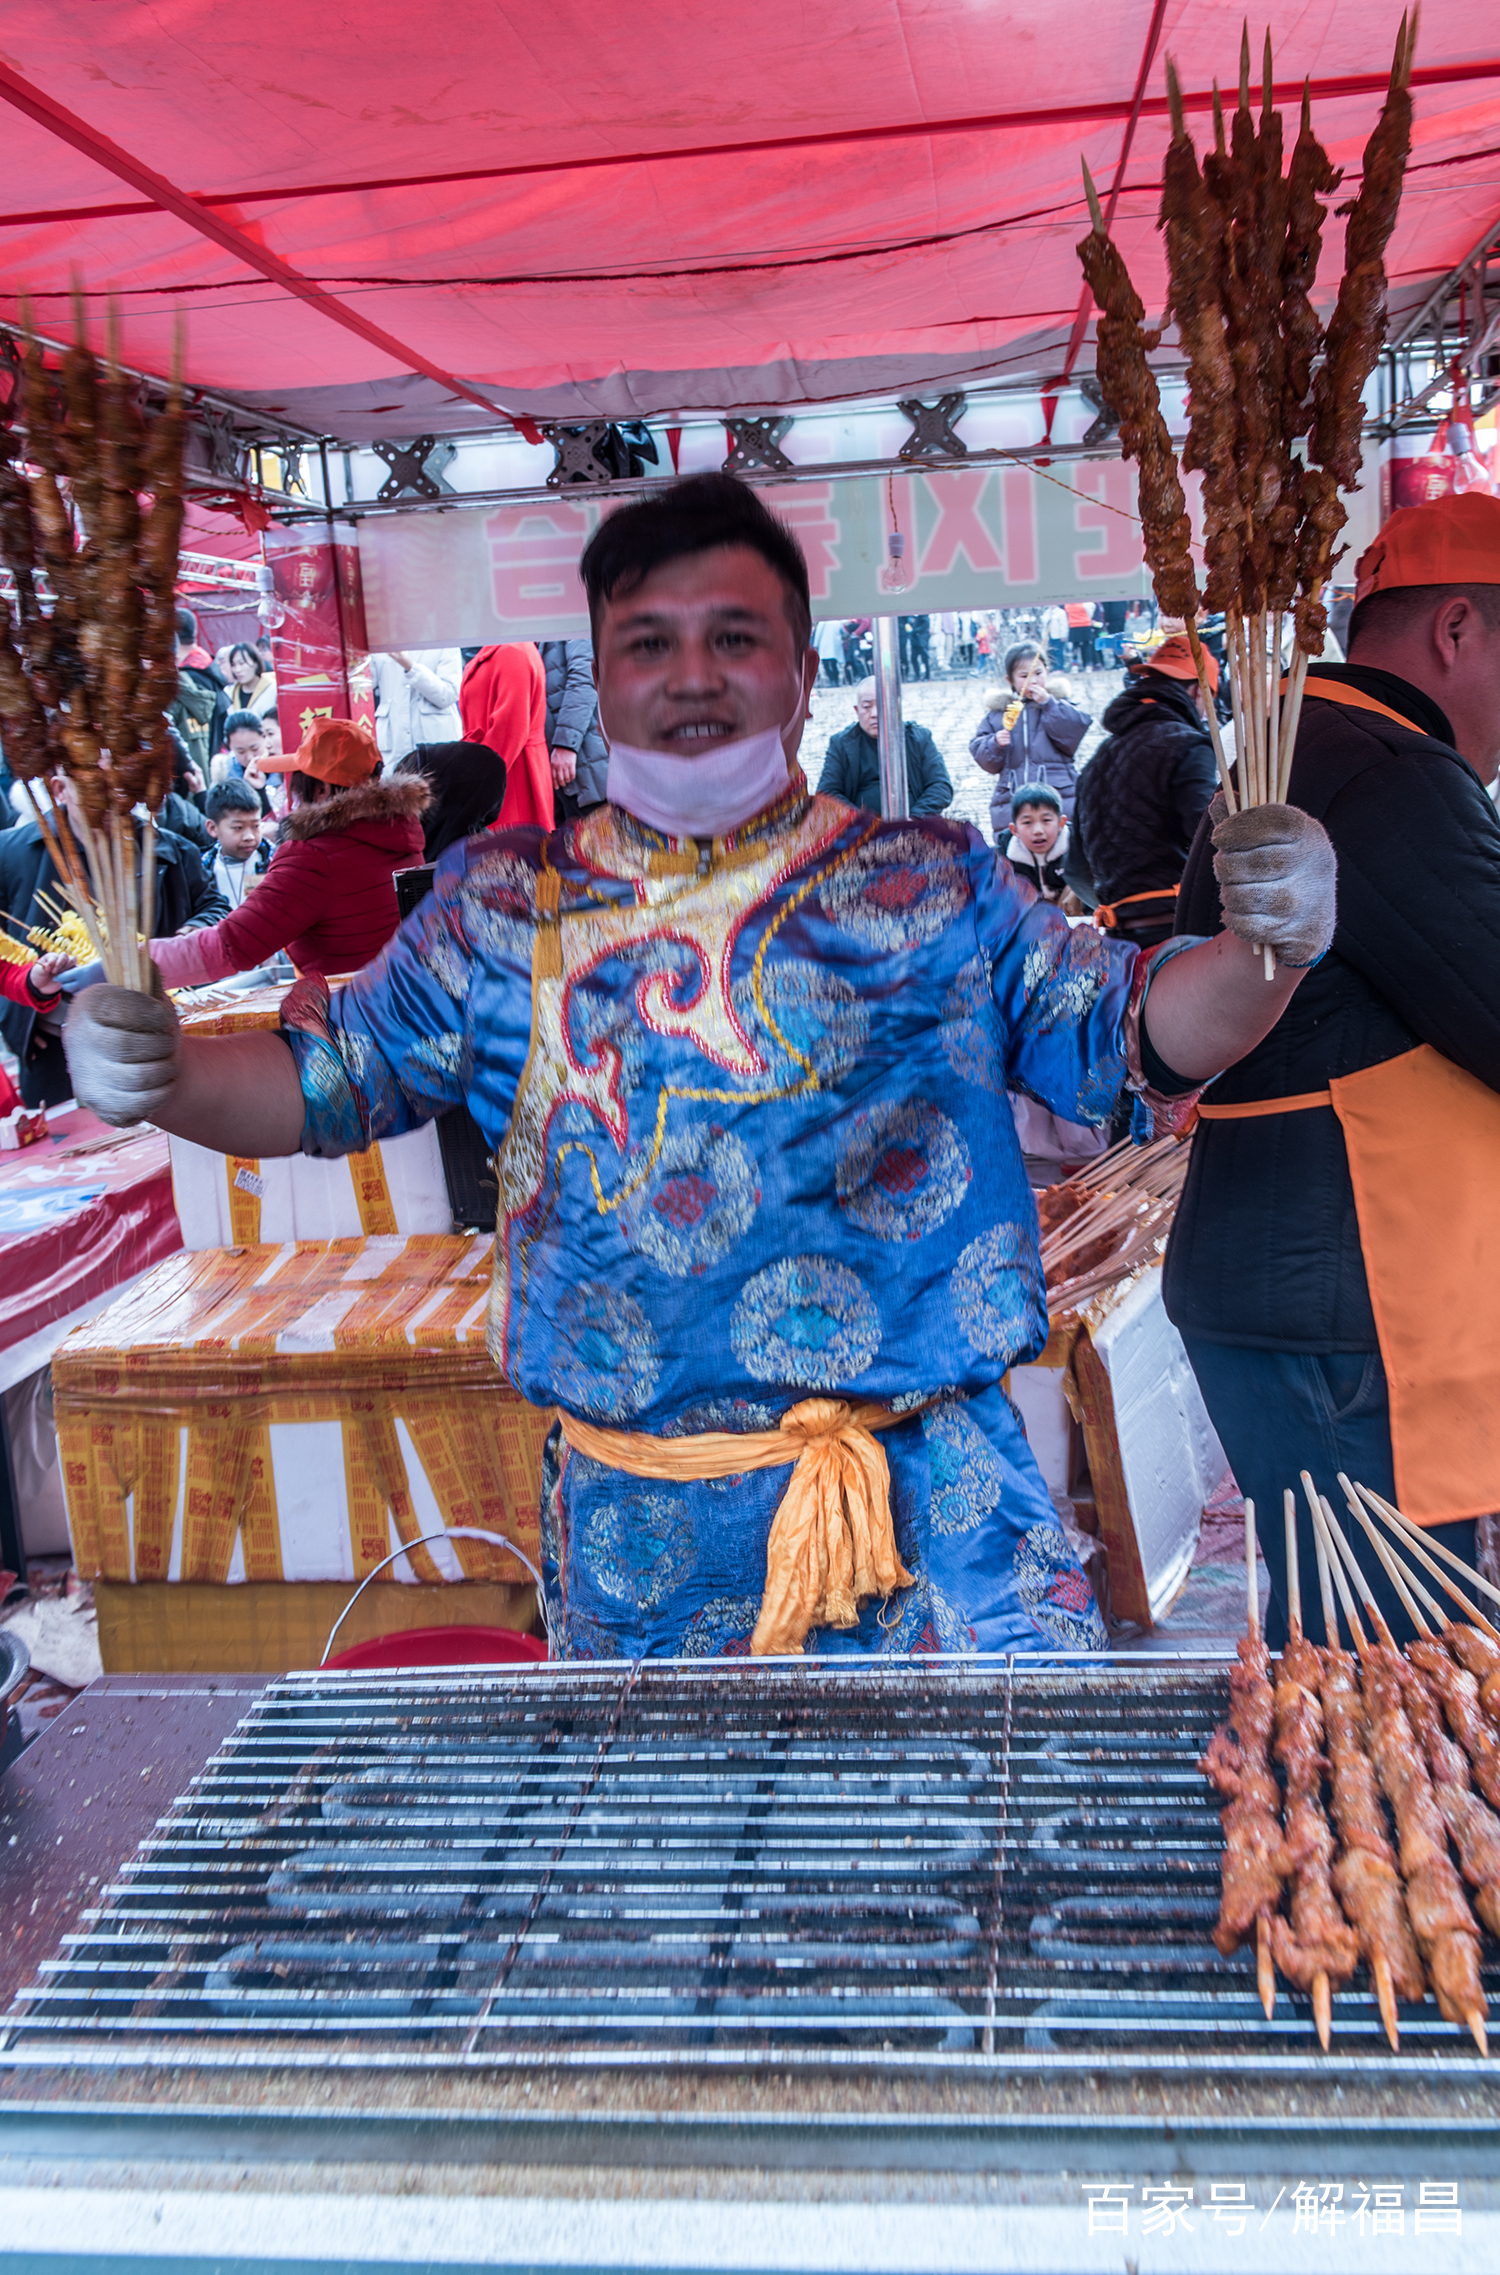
pixel 185 899
pixel 852 770
pixel 1140 799
pixel 1265 1251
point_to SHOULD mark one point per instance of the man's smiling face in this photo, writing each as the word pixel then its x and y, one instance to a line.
pixel 702 653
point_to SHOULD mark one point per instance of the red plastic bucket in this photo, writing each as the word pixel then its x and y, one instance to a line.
pixel 444 1647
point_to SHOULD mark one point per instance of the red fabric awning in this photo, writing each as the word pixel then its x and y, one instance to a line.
pixel 577 210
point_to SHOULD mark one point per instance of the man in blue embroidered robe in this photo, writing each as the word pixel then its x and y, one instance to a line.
pixel 744 1056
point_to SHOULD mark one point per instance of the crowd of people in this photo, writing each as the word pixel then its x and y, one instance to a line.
pixel 965 643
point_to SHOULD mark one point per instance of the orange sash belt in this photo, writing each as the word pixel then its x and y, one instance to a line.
pixel 832 1545
pixel 1423 1140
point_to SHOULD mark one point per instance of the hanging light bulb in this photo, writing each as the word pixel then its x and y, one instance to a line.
pixel 893 577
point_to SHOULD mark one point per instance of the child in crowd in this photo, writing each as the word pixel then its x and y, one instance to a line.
pixel 1038 844
pixel 248 759
pixel 239 860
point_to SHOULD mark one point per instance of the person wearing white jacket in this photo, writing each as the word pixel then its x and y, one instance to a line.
pixel 416 699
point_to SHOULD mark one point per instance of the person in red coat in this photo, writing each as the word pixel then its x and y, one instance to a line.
pixel 503 702
pixel 329 896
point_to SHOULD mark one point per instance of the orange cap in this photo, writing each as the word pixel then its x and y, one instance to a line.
pixel 1174 660
pixel 1449 541
pixel 340 751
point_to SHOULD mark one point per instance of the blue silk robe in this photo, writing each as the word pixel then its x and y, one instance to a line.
pixel 754 1146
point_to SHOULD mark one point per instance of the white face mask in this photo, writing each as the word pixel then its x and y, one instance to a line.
pixel 698 797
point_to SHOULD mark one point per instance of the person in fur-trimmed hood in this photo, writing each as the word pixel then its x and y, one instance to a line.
pixel 329 897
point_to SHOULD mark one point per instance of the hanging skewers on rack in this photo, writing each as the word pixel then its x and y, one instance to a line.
pixel 85 682
pixel 1275 403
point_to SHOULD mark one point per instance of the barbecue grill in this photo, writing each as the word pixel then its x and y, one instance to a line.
pixel 946 1915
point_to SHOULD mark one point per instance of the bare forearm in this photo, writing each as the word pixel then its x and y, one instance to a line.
pixel 237 1094
pixel 1212 1004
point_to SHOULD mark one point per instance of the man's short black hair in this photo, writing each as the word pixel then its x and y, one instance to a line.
pixel 692 516
pixel 233 796
pixel 187 627
pixel 1386 615
pixel 243 718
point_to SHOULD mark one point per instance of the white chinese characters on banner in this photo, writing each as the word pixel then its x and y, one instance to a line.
pixel 992 536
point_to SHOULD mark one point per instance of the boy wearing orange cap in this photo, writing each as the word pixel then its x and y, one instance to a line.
pixel 1335 1321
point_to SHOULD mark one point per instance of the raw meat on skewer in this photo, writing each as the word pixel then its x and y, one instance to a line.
pixel 1238 1763
pixel 1364 1871
pixel 1315 1949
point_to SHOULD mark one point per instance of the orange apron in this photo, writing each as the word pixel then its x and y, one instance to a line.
pixel 1423 1140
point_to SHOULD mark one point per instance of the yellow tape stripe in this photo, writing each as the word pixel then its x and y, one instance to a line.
pixel 243 1175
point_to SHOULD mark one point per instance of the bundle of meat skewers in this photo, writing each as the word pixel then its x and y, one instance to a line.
pixel 1402 1741
pixel 88 662
pixel 1275 401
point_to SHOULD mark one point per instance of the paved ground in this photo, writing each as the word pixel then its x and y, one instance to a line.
pixel 952 709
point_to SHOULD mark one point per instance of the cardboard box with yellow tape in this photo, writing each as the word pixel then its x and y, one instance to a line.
pixel 235 1200
pixel 248 1432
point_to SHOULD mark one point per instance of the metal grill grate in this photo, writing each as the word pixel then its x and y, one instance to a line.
pixel 685 1863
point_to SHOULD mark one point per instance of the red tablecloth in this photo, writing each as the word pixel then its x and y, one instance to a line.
pixel 80 1213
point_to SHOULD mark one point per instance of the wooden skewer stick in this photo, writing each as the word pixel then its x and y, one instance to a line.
pixel 1265 1965
pixel 1322 1994
pixel 1403 1524
pixel 1325 1589
pixel 148 903
pixel 1252 1586
pixel 1211 714
pixel 1096 211
pixel 1394 1567
pixel 1379 1964
pixel 68 874
pixel 1414 1544
pixel 1291 713
pixel 1357 1575
pixel 1361 1640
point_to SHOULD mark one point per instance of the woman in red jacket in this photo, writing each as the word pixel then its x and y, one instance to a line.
pixel 503 702
pixel 329 897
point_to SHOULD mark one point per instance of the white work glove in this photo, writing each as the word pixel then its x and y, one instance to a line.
pixel 121 1049
pixel 1278 880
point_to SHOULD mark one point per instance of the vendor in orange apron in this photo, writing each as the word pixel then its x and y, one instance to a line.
pixel 1335 1266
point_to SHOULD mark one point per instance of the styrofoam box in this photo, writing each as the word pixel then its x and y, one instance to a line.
pixel 1169 1450
pixel 302 1199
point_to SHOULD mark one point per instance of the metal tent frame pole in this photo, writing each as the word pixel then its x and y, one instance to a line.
pixel 891 738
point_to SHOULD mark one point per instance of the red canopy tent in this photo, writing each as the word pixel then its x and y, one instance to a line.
pixel 380 220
